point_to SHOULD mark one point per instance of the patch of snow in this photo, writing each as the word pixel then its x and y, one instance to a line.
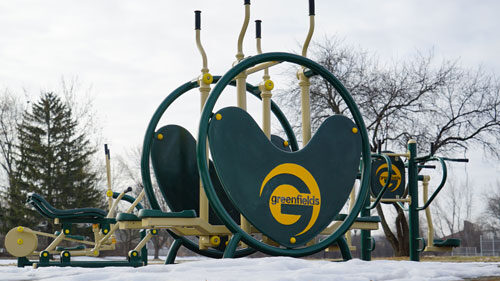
pixel 271 268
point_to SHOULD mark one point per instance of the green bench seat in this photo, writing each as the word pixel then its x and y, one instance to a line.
pixel 160 214
pixel 451 242
pixel 127 217
pixel 48 211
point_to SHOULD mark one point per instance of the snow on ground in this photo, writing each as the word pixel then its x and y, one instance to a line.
pixel 273 269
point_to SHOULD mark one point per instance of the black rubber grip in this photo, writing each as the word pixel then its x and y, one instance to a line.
pixel 128 189
pixel 258 29
pixel 106 150
pixel 247 2
pixel 197 20
pixel 311 7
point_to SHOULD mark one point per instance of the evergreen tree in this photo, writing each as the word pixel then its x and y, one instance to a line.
pixel 54 161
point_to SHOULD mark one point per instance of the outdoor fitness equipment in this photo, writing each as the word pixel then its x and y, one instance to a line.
pixel 22 242
pixel 397 194
pixel 340 141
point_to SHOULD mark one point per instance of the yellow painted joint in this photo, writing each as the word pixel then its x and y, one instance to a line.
pixel 215 241
pixel 96 253
pixel 218 116
pixel 207 78
pixel 269 85
pixel 159 136
pixel 293 240
pixel 109 193
pixel 355 130
pixel 20 241
pixel 20 229
pixel 285 143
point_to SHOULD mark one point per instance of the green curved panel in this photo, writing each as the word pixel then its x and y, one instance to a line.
pixel 289 196
pixel 173 157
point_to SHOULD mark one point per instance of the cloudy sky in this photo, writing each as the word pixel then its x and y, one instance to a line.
pixel 131 54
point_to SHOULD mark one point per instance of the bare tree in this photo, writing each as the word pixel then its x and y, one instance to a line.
pixel 440 103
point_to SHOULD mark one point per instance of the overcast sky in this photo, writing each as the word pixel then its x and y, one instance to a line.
pixel 133 53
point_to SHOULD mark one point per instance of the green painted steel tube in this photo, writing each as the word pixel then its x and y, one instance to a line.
pixel 441 184
pixel 366 254
pixel 413 192
pixel 146 150
pixel 202 154
pixel 148 138
pixel 387 183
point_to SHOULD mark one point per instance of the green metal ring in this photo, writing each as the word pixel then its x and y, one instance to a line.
pixel 148 140
pixel 202 154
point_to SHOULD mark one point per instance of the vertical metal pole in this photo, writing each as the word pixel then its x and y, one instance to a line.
pixel 413 192
pixel 481 245
pixel 366 246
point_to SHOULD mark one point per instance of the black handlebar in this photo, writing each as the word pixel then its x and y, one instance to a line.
pixel 247 2
pixel 258 29
pixel 311 7
pixel 106 151
pixel 128 189
pixel 197 20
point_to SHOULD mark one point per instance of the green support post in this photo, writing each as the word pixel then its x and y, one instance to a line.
pixel 413 192
pixel 366 241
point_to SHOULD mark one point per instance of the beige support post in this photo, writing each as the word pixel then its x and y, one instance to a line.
pixel 144 240
pixel 241 88
pixel 204 81
pixel 430 226
pixel 109 192
pixel 56 242
pixel 304 89
pixel 265 88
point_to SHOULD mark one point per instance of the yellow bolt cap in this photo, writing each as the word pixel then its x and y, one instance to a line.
pixel 269 85
pixel 218 116
pixel 154 231
pixel 109 193
pixel 20 229
pixel 66 231
pixel 20 241
pixel 215 240
pixel 285 143
pixel 45 254
pixel 355 130
pixel 105 231
pixel 159 136
pixel 134 254
pixel 293 240
pixel 207 78
pixel 66 254
pixel 96 253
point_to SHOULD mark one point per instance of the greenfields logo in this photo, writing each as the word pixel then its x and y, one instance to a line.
pixel 288 195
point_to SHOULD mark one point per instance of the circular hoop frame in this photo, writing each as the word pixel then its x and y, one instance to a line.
pixel 146 151
pixel 202 156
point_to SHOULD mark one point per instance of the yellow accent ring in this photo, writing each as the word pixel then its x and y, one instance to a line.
pixel 20 229
pixel 66 254
pixel 66 231
pixel 218 116
pixel 20 241
pixel 134 254
pixel 215 240
pixel 207 78
pixel 159 136
pixel 269 85
pixel 105 231
pixel 293 240
pixel 109 193
pixel 285 143
pixel 355 130
pixel 45 254
pixel 153 231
